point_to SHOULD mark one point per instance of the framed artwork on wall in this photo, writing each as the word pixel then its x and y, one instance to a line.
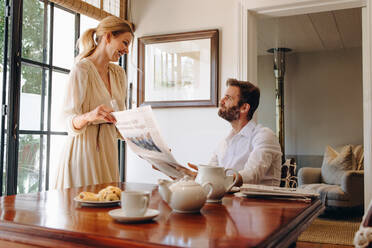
pixel 178 70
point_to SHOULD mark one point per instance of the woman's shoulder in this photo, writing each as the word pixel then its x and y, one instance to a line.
pixel 116 68
pixel 82 65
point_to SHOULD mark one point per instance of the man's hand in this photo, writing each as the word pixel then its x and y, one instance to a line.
pixel 239 182
pixel 190 172
pixel 192 166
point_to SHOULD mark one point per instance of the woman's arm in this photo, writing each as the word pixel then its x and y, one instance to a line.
pixel 101 113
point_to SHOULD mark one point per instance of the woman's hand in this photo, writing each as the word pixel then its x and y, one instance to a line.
pixel 101 113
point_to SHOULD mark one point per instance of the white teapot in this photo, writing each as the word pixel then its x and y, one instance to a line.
pixel 217 177
pixel 186 195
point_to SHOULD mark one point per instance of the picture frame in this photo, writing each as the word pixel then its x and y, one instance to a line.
pixel 178 70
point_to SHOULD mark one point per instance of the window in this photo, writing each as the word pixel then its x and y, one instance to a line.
pixel 47 56
pixel 49 34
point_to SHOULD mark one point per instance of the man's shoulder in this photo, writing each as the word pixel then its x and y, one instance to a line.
pixel 264 135
pixel 263 131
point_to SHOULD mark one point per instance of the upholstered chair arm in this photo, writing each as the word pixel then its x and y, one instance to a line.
pixel 353 183
pixel 308 175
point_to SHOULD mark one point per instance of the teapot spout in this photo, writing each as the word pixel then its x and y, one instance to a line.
pixel 164 190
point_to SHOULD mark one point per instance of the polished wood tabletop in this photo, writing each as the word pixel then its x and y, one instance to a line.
pixel 54 219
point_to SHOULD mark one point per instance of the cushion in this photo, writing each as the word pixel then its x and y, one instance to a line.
pixel 358 153
pixel 335 164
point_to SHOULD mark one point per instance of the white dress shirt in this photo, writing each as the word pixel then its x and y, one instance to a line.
pixel 254 152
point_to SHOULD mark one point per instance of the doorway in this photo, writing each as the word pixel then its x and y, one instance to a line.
pixel 250 11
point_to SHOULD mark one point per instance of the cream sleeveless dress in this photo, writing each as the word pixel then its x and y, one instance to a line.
pixel 90 155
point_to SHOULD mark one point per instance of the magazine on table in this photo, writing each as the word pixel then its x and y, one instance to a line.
pixel 139 129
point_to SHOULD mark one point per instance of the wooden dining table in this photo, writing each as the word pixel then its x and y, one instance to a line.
pixel 54 219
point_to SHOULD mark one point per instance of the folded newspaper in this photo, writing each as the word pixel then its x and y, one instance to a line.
pixel 139 129
pixel 254 190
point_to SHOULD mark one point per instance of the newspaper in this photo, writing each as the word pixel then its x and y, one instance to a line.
pixel 139 129
pixel 254 190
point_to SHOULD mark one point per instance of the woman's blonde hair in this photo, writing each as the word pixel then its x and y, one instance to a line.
pixel 88 43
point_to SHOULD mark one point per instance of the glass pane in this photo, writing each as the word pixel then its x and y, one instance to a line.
pixel 29 162
pixel 95 3
pixel 34 42
pixel 63 39
pixel 112 6
pixel 4 166
pixel 32 79
pixel 86 23
pixel 2 71
pixel 57 143
pixel 58 88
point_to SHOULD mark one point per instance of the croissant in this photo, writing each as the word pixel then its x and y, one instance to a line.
pixel 110 193
pixel 111 197
pixel 88 196
pixel 109 190
pixel 114 190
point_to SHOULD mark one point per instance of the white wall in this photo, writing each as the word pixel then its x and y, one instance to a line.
pixel 191 133
pixel 323 99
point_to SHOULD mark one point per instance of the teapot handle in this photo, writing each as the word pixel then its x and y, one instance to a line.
pixel 210 191
pixel 235 173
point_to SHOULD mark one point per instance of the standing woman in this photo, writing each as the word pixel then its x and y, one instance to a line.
pixel 90 155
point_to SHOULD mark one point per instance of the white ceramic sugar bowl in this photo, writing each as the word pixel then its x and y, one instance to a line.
pixel 186 195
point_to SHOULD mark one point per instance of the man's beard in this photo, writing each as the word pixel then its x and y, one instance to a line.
pixel 230 114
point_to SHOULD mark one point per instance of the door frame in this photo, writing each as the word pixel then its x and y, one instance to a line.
pixel 248 13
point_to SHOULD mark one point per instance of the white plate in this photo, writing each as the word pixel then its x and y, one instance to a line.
pixel 96 203
pixel 119 215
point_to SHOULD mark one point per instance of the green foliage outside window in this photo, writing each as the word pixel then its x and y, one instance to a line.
pixel 28 164
pixel 32 42
pixel 32 48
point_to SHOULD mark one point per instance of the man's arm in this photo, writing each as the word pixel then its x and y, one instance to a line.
pixel 265 149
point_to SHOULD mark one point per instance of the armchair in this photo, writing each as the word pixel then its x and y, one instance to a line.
pixel 350 193
pixel 340 180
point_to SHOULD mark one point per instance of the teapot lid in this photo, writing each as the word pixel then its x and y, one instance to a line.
pixel 186 181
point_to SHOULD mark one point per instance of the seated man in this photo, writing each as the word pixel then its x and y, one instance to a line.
pixel 250 148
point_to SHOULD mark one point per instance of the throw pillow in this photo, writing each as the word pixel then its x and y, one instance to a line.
pixel 359 157
pixel 334 164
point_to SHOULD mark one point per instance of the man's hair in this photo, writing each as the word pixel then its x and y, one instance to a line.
pixel 249 93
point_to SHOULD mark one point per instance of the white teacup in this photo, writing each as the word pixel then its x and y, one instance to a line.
pixel 135 203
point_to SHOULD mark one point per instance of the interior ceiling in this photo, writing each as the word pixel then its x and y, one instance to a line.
pixel 312 32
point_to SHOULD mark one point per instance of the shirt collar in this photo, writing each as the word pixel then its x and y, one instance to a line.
pixel 248 128
pixel 245 131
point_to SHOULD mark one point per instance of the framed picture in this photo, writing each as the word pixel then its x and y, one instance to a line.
pixel 178 70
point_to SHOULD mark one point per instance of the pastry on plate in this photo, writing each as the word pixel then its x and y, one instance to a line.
pixel 110 193
pixel 88 196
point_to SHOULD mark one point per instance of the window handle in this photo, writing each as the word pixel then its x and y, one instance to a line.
pixel 14 131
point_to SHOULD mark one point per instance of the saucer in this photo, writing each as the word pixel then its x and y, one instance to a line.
pixel 119 215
